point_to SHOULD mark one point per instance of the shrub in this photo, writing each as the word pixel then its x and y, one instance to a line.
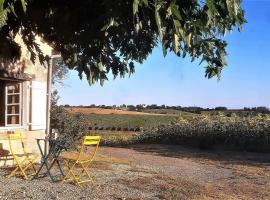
pixel 251 134
pixel 70 128
pixel 137 129
pixel 131 129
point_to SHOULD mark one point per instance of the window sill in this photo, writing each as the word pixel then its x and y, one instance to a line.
pixel 10 128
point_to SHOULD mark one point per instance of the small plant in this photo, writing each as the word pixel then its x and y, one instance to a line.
pixel 132 129
pixel 137 129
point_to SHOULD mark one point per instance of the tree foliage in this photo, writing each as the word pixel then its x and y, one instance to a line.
pixel 70 128
pixel 98 37
pixel 59 71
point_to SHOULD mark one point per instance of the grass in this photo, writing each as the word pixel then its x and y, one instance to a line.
pixel 115 137
pixel 129 121
pixel 169 112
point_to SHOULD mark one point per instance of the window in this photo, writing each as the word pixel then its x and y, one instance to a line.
pixel 10 103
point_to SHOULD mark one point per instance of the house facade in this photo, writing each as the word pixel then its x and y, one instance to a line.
pixel 23 100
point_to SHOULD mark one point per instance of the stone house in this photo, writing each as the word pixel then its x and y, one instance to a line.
pixel 23 99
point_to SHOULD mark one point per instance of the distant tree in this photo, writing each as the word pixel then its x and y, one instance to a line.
pixel 178 107
pixel 153 106
pixel 246 109
pixel 131 107
pixel 139 107
pixel 220 108
pixel 262 109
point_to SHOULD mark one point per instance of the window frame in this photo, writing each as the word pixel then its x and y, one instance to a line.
pixel 19 104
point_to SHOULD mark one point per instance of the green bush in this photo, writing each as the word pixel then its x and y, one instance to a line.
pixel 70 128
pixel 251 134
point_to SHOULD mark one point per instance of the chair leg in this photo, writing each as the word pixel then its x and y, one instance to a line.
pixel 70 172
pixel 23 173
pixel 13 172
pixel 88 174
pixel 84 170
pixel 18 167
pixel 33 164
pixel 22 169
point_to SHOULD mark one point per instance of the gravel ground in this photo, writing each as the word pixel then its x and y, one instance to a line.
pixel 157 172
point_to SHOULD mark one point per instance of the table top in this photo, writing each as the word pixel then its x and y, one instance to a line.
pixel 54 143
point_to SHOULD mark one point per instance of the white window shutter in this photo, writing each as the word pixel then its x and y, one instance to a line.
pixel 38 105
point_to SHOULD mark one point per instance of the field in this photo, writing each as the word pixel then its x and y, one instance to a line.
pixel 128 121
pixel 235 130
pixel 169 112
pixel 112 118
pixel 102 111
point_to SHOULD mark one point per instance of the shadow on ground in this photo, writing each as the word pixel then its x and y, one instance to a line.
pixel 226 157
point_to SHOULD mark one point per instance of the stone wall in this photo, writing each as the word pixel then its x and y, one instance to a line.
pixel 30 146
pixel 25 68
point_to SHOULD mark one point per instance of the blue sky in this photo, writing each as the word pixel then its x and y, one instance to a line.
pixel 245 82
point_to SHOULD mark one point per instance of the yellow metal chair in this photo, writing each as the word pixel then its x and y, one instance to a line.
pixel 81 159
pixel 23 159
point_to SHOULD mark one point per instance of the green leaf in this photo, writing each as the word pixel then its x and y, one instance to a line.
pixel 101 82
pixel 24 3
pixel 100 66
pixel 135 6
pixel 158 20
pixel 111 23
pixel 184 54
pixel 137 27
pixel 175 10
pixel 176 44
pixel 3 17
pixel 90 78
pixel 145 2
pixel 164 50
pixel 188 39
pixel 2 5
pixel 13 10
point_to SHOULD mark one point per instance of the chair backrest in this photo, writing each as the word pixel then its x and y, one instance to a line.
pixel 90 141
pixel 16 137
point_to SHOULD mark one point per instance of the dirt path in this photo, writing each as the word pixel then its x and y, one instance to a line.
pixel 222 175
pixel 155 172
